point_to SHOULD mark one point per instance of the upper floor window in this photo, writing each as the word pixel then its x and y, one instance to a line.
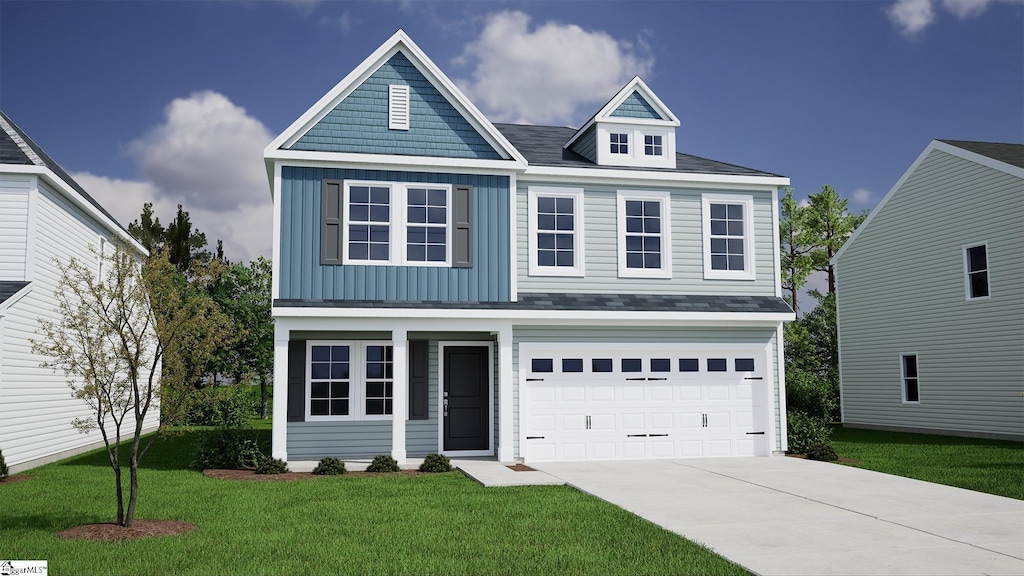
pixel 976 271
pixel 369 223
pixel 397 224
pixel 427 225
pixel 652 145
pixel 349 380
pixel 644 237
pixel 728 237
pixel 556 231
pixel 620 143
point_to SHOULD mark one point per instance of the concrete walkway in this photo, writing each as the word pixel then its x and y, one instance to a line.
pixel 490 473
pixel 790 516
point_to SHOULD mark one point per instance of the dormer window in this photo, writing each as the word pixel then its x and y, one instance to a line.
pixel 620 143
pixel 652 145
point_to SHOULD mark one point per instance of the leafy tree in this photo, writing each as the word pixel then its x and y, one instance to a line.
pixel 812 361
pixel 797 245
pixel 112 335
pixel 184 244
pixel 831 225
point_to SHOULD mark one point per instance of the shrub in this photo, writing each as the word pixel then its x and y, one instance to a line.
pixel 383 463
pixel 227 448
pixel 806 431
pixel 4 472
pixel 812 394
pixel 436 463
pixel 330 466
pixel 822 453
pixel 270 465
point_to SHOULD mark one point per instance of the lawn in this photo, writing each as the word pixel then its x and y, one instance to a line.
pixel 436 524
pixel 992 466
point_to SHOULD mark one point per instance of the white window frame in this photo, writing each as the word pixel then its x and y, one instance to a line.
pixel 903 378
pixel 967 272
pixel 665 272
pixel 636 129
pixel 356 380
pixel 579 268
pixel 398 107
pixel 398 225
pixel 749 262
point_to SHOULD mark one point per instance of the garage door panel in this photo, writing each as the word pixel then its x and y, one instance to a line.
pixel 661 448
pixel 632 422
pixel 542 423
pixel 662 393
pixel 602 422
pixel 662 421
pixel 632 393
pixel 603 450
pixel 574 422
pixel 633 450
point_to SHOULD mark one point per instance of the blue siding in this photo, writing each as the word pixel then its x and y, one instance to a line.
pixel 586 145
pixel 303 277
pixel 635 106
pixel 359 123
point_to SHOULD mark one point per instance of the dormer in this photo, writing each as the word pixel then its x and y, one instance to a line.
pixel 634 129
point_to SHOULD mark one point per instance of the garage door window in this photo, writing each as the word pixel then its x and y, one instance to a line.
pixel 689 365
pixel 744 364
pixel 661 365
pixel 601 365
pixel 543 365
pixel 572 365
pixel 632 365
pixel 717 365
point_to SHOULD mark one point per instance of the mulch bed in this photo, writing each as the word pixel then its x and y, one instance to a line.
pixel 251 475
pixel 521 468
pixel 15 478
pixel 842 459
pixel 110 531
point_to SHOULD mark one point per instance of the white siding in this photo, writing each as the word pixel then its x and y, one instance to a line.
pixel 901 290
pixel 36 404
pixel 13 226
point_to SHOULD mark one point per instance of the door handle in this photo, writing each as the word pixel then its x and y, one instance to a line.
pixel 446 407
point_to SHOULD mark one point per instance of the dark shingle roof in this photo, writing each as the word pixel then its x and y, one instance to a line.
pixel 1012 154
pixel 561 301
pixel 7 141
pixel 542 146
pixel 8 289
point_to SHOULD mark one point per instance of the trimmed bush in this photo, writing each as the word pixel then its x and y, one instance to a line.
pixel 4 472
pixel 383 463
pixel 806 431
pixel 228 448
pixel 436 463
pixel 822 453
pixel 330 466
pixel 270 465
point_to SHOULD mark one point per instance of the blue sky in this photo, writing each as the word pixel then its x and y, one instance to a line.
pixel 174 101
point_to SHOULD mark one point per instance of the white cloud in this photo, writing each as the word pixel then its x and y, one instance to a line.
pixel 546 74
pixel 207 156
pixel 343 22
pixel 862 196
pixel 965 8
pixel 912 16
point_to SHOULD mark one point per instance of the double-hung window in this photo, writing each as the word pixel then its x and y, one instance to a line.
pixel 644 238
pixel 976 271
pixel 908 375
pixel 397 224
pixel 555 231
pixel 349 380
pixel 728 236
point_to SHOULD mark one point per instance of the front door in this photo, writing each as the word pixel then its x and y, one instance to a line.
pixel 465 400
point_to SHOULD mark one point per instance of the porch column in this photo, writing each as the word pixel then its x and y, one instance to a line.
pixel 505 435
pixel 399 393
pixel 279 433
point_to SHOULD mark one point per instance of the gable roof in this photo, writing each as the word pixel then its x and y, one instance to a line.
pixel 399 42
pixel 18 149
pixel 605 114
pixel 543 146
pixel 998 156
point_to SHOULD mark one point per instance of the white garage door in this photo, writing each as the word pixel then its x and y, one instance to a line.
pixel 602 402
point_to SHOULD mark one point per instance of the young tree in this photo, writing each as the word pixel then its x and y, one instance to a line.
pixel 831 225
pixel 797 246
pixel 185 244
pixel 112 334
pixel 148 230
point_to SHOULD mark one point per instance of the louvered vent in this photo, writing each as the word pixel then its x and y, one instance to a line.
pixel 398 107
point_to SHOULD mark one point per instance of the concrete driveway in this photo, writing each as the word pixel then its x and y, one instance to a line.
pixel 790 516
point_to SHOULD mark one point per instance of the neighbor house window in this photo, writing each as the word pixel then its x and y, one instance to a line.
pixel 728 237
pixel 908 368
pixel 555 231
pixel 620 143
pixel 976 271
pixel 398 224
pixel 349 380
pixel 652 145
pixel 644 239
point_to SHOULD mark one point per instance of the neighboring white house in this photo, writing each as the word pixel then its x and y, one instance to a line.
pixel 44 214
pixel 930 298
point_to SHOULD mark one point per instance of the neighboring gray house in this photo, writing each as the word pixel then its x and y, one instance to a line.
pixel 930 298
pixel 445 284
pixel 44 215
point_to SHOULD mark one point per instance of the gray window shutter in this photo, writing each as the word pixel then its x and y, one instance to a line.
pixel 297 381
pixel 462 238
pixel 418 382
pixel 330 222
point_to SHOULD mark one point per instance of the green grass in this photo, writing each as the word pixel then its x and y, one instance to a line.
pixel 437 524
pixel 992 466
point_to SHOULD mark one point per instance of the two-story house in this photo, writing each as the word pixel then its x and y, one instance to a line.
pixel 445 284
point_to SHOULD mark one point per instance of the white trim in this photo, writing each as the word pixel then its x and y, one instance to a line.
pixel 967 272
pixel 776 250
pixel 578 234
pixel 604 114
pixel 12 300
pixel 398 107
pixel 839 348
pixel 32 228
pixel 275 250
pixel 635 155
pixel 749 271
pixel 903 379
pixel 933 145
pixel 513 238
pixel 399 393
pixel 441 345
pixel 506 436
pixel 356 381
pixel 664 235
pixel 539 316
pixel 546 173
pixel 391 162
pixel 279 424
pixel 780 359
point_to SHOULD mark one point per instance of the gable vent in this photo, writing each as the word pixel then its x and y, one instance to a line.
pixel 398 107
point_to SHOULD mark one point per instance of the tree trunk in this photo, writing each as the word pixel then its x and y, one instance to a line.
pixel 133 473
pixel 120 495
pixel 792 293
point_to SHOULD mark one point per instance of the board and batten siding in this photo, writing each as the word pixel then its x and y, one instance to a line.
pixel 14 192
pixel 640 336
pixel 601 246
pixel 901 290
pixel 303 277
pixel 36 404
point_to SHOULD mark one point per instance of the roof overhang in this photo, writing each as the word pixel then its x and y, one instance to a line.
pixel 558 173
